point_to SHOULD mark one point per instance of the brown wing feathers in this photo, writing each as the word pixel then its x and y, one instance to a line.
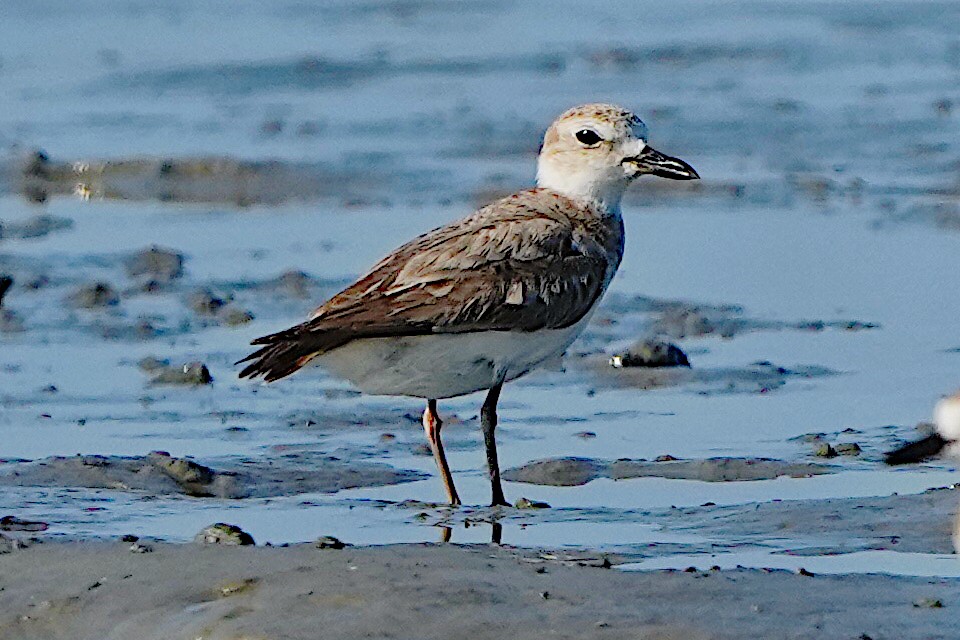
pixel 502 272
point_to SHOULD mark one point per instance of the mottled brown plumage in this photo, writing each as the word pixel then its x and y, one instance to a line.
pixel 522 263
pixel 485 300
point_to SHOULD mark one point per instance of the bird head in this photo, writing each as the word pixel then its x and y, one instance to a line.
pixel 595 151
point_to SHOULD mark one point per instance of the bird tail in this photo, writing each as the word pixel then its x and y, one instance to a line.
pixel 286 352
pixel 916 451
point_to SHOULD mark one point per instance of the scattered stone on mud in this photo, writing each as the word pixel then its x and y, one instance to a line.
pixel 95 296
pixel 161 474
pixel 237 317
pixel 8 544
pixel 211 179
pixel 152 363
pixel 155 264
pixel 143 328
pixel 527 503
pixel 578 471
pixel 557 472
pixel 294 283
pixel 678 319
pixel 206 303
pixel 757 377
pixel 225 534
pixel 810 437
pixel 11 322
pixel 928 603
pixel 824 450
pixel 5 283
pixel 329 542
pixel 13 523
pixel 191 374
pixel 848 449
pixel 651 352
pixel 193 477
pixel 237 587
pixel 35 227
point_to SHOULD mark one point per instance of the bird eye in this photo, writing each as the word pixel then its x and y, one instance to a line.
pixel 588 137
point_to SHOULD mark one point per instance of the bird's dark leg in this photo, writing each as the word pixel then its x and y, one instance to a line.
pixel 432 425
pixel 488 420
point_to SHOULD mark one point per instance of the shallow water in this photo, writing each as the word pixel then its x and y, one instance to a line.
pixel 830 192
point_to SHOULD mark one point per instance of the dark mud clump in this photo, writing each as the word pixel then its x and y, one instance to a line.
pixel 651 353
pixel 36 227
pixel 209 305
pixel 155 264
pixel 192 374
pixel 558 472
pixel 161 474
pixel 10 321
pixel 226 534
pixel 12 523
pixel 193 477
pixel 206 303
pixel 295 283
pixel 95 296
pixel 678 319
pixel 759 377
pixel 566 472
pixel 209 179
pixel 5 283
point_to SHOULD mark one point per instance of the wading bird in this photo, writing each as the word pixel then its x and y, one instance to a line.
pixel 484 300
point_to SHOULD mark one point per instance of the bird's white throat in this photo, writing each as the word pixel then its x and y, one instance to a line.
pixel 582 185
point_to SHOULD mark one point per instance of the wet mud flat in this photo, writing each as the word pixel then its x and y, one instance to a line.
pixel 104 590
pixel 160 206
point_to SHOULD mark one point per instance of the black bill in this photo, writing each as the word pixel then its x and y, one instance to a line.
pixel 655 163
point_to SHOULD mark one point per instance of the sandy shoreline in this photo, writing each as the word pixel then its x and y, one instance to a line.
pixel 102 590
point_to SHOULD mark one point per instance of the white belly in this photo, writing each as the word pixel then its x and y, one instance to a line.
pixel 445 365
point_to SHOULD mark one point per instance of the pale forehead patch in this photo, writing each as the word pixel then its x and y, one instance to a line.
pixel 618 117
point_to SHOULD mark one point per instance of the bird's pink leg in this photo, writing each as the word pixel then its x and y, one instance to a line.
pixel 432 425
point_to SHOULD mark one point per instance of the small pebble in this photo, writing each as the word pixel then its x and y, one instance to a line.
pixel 651 353
pixel 237 317
pixel 95 296
pixel 225 534
pixel 928 603
pixel 234 588
pixel 824 450
pixel 5 283
pixel 192 373
pixel 155 264
pixel 526 503
pixel 848 449
pixel 329 542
